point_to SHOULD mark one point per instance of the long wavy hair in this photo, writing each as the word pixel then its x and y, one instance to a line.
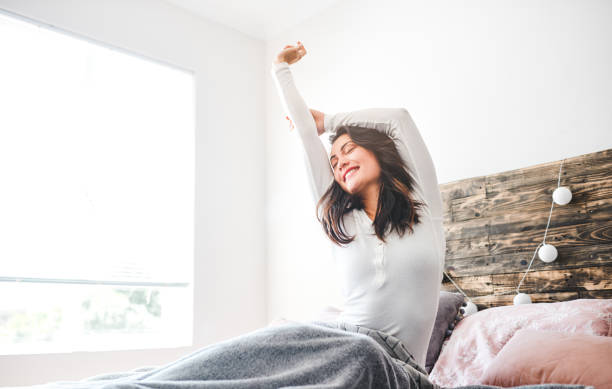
pixel 396 209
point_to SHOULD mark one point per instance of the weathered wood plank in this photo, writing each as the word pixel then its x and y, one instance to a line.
pixel 532 199
pixel 459 189
pixel 462 188
pixel 467 229
pixel 467 248
pixel 585 234
pixel 574 182
pixel 483 302
pixel 565 280
pixel 547 281
pixel 568 258
pixel 536 220
pixel 596 294
pixel 472 286
pixel 600 210
pixel 597 164
pixel 466 208
pixel 517 222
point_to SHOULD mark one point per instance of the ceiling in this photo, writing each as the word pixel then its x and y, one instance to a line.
pixel 261 19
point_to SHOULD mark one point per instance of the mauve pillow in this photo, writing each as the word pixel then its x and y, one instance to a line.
pixel 534 357
pixel 479 337
pixel 448 309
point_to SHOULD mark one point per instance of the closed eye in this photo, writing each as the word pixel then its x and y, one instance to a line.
pixel 350 149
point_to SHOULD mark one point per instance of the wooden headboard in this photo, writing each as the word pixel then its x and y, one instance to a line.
pixel 494 223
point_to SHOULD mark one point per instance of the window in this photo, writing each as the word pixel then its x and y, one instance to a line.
pixel 97 186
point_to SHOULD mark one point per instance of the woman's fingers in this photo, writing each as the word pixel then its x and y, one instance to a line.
pixel 301 49
pixel 292 54
pixel 290 123
pixel 299 45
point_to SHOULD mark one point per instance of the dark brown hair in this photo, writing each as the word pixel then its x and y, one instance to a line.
pixel 396 208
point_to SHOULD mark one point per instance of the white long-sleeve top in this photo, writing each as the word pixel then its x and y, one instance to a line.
pixel 393 286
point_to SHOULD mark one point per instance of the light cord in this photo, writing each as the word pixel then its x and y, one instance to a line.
pixel 548 223
pixel 553 203
pixel 545 232
pixel 457 286
pixel 528 267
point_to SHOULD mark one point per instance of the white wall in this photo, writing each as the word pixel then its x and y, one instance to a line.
pixel 492 86
pixel 229 229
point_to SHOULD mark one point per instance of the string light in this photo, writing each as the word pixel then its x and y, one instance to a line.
pixel 470 307
pixel 546 252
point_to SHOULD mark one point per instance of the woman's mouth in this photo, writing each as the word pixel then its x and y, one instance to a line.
pixel 349 173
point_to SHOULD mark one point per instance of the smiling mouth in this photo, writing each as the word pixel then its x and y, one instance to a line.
pixel 350 173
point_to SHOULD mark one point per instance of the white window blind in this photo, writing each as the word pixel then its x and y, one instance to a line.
pixel 97 165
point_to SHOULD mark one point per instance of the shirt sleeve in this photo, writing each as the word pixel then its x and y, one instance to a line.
pixel 317 162
pixel 398 124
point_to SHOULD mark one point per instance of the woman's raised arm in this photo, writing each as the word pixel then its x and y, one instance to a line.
pixel 315 155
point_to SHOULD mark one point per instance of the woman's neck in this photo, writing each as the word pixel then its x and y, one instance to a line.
pixel 370 200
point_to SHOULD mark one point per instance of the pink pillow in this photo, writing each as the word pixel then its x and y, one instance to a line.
pixel 478 338
pixel 543 357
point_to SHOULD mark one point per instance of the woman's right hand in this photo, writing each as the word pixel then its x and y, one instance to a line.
pixel 291 54
pixel 318 117
pixel 319 120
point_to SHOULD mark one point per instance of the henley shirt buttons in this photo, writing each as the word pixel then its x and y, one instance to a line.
pixel 379 264
pixel 379 280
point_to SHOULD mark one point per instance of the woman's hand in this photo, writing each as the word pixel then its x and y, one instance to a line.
pixel 318 117
pixel 291 54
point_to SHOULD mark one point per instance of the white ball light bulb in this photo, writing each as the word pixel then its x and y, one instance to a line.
pixel 470 308
pixel 522 298
pixel 547 253
pixel 562 195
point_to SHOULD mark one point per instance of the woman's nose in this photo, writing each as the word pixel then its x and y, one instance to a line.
pixel 342 164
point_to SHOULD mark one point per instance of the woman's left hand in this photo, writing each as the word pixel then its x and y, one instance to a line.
pixel 291 54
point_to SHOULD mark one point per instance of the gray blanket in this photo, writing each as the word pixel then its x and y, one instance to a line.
pixel 304 355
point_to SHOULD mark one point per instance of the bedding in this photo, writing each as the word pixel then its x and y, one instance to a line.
pixel 446 319
pixel 535 357
pixel 478 338
pixel 313 355
pixel 447 316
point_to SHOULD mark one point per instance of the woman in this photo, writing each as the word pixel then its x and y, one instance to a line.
pixel 379 203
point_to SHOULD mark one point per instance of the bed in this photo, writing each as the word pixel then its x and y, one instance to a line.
pixel 492 224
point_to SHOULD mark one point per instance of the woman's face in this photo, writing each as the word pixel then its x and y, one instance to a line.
pixel 346 156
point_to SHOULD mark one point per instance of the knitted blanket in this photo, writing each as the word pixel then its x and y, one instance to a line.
pixel 304 355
